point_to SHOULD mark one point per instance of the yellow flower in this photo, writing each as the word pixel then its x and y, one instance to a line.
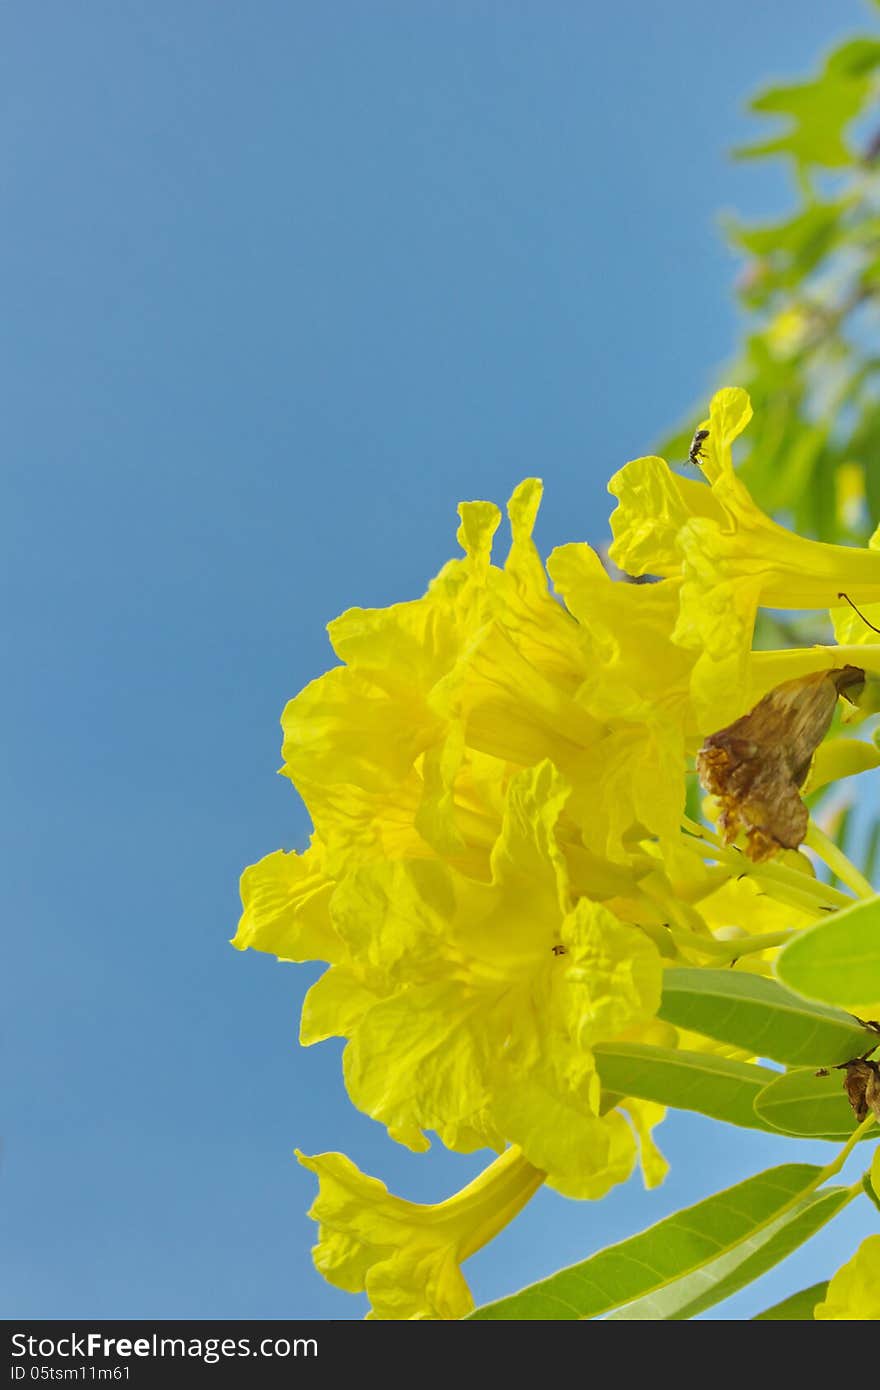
pixel 405 1255
pixel 729 556
pixel 496 779
pixel 496 782
pixel 854 1292
pixel 486 997
pixel 406 750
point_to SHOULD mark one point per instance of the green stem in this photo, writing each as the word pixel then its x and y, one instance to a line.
pixel 837 1163
pixel 787 885
pixel 732 950
pixel 838 862
pixel 831 1169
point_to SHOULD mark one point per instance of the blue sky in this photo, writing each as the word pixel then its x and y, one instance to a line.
pixel 281 283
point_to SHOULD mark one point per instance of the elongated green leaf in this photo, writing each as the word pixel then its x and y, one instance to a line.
pixel 798 1308
pixel 752 1012
pixel 837 961
pixel 810 1106
pixel 676 1248
pixel 736 1268
pixel 714 1086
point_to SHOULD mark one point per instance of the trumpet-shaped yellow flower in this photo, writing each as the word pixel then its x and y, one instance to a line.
pixel 854 1292
pixel 731 558
pixel 407 1256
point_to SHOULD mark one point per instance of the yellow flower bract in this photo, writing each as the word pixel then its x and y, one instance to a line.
pixel 496 777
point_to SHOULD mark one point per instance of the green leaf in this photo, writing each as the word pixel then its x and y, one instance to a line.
pixel 714 1086
pixel 870 1190
pixel 820 111
pixel 690 1260
pixel 761 1016
pixel 798 1308
pixel 736 1268
pixel 855 58
pixel 809 1106
pixel 790 249
pixel 837 961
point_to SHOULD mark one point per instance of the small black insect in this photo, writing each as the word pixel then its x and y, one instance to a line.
pixel 696 450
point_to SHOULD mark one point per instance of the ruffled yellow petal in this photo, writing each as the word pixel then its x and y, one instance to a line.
pixel 629 785
pixel 423 1060
pixel 653 505
pixel 335 1005
pixel 286 908
pixel 716 620
pixel 584 1155
pixel 729 413
pixel 479 522
pixel 469 961
pixel 854 1292
pixel 549 1101
pixel 613 975
pixel 494 993
pixel 350 748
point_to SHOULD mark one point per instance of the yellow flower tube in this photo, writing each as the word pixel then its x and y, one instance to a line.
pixel 730 557
pixel 406 1255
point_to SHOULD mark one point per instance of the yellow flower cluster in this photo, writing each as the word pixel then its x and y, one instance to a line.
pixel 496 776
pixel 480 772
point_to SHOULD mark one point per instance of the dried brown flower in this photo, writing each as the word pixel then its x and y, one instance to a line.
pixel 756 765
pixel 862 1086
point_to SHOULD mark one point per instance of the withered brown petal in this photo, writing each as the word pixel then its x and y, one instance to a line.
pixel 872 1090
pixel 757 764
pixel 862 1086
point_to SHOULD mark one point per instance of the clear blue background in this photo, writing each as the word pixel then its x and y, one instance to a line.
pixel 281 283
